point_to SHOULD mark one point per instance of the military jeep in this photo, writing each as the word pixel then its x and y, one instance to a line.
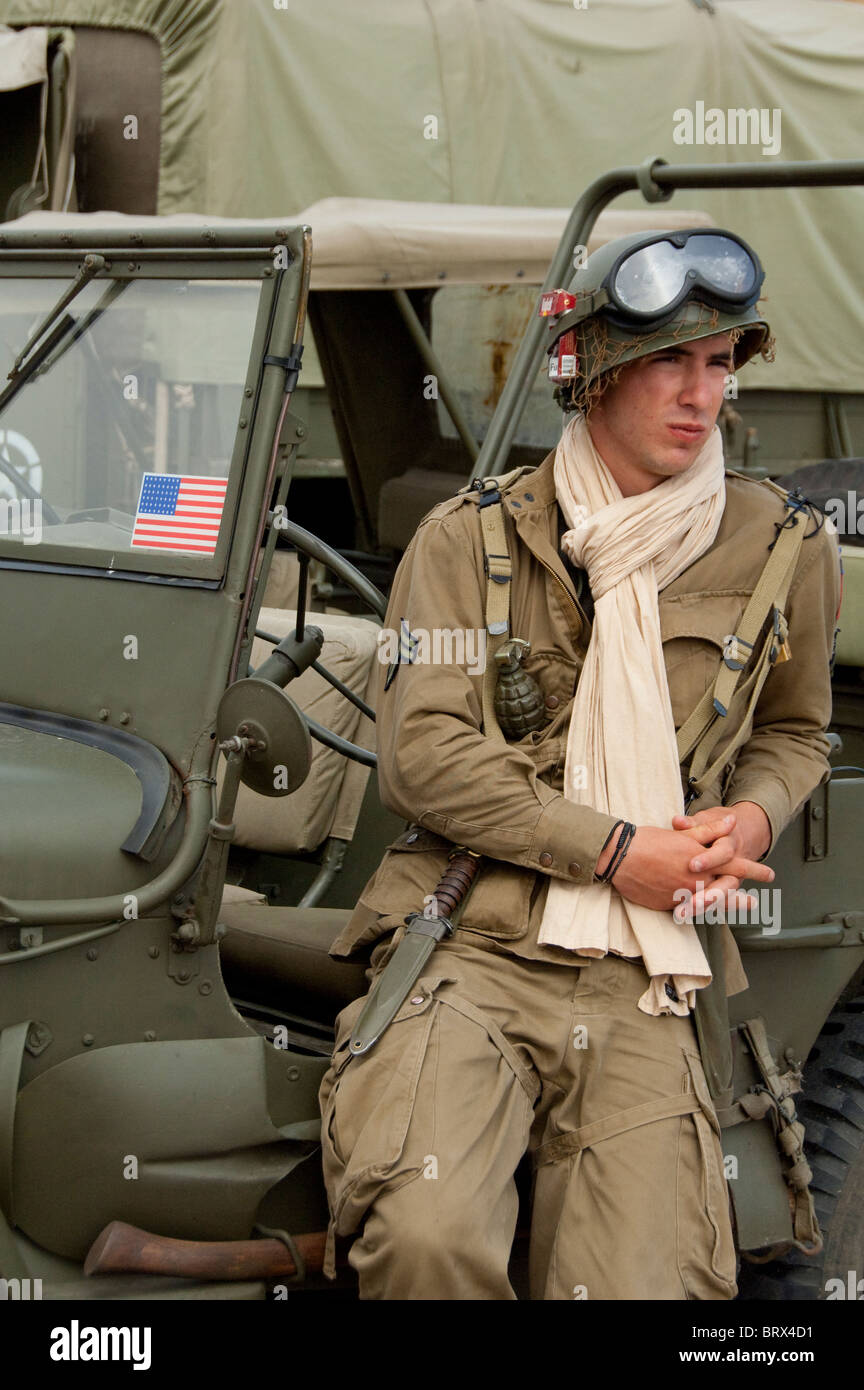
pixel 187 751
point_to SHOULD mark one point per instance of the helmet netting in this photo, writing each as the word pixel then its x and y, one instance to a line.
pixel 600 362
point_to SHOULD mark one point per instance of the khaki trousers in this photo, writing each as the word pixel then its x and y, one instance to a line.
pixel 491 1055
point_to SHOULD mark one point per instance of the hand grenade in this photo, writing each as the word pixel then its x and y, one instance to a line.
pixel 519 704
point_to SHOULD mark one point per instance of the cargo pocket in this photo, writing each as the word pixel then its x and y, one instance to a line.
pixel 706 1251
pixel 366 1107
pixel 385 1111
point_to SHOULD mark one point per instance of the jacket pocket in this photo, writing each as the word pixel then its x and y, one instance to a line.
pixel 498 901
pixel 694 629
pixel 410 869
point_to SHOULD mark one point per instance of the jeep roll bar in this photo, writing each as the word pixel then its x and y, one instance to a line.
pixel 657 180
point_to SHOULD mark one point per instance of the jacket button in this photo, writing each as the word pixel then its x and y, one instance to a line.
pixel 552 702
pixel 574 869
pixel 546 859
pixel 409 839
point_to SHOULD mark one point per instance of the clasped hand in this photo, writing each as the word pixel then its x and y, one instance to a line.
pixel 660 863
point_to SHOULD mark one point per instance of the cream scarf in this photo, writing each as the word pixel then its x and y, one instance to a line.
pixel 621 752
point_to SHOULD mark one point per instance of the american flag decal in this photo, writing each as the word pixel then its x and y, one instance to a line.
pixel 179 512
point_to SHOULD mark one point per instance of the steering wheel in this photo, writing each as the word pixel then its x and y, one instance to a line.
pixel 20 483
pixel 309 547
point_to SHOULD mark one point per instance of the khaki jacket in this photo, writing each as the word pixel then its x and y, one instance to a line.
pixel 438 769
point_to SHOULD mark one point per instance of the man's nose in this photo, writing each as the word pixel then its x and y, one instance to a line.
pixel 698 388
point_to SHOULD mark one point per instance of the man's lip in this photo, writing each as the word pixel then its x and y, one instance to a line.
pixel 691 430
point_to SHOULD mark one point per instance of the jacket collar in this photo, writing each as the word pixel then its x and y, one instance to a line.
pixel 533 505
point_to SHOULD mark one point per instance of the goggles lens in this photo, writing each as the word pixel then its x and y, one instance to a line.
pixel 656 277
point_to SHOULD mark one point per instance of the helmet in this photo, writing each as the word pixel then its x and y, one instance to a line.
pixel 648 291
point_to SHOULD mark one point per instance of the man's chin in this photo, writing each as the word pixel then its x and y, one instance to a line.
pixel 668 463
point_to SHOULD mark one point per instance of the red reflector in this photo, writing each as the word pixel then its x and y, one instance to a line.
pixel 554 302
pixel 563 360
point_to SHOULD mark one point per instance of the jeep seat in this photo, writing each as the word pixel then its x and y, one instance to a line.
pixel 405 500
pixel 279 955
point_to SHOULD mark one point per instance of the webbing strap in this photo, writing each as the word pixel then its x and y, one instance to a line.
pixel 774 1099
pixel 752 1106
pixel 524 1075
pixel 700 774
pixel 585 1138
pixel 496 481
pixel 498 573
pixel 705 723
pixel 499 570
pixel 770 592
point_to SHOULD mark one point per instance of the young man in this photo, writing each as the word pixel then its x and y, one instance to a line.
pixel 559 1015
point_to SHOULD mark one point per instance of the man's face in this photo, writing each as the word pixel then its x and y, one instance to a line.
pixel 652 422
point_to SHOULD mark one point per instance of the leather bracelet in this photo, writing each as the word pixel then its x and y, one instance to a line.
pixel 609 836
pixel 598 877
pixel 621 852
pixel 602 878
pixel 624 840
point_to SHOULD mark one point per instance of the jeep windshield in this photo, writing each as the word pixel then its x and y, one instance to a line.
pixel 120 443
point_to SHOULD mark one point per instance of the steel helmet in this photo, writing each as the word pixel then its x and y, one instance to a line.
pixel 648 291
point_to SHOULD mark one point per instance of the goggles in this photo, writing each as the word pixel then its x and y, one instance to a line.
pixel 647 284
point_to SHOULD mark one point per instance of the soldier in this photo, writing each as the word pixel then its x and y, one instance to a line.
pixel 679 622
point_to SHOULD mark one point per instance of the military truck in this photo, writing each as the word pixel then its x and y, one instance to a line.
pixel 171 845
pixel 254 109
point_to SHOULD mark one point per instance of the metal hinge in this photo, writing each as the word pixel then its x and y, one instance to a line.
pixel 816 824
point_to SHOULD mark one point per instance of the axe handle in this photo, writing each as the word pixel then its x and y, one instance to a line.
pixel 125 1249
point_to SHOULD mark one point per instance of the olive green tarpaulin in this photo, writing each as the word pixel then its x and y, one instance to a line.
pixel 272 105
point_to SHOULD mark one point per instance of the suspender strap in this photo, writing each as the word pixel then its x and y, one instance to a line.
pixel 701 774
pixel 499 569
pixel 700 733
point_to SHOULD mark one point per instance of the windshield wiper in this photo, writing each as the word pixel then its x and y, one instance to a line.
pixel 35 360
pixel 113 292
pixel 90 266
pixel 34 352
